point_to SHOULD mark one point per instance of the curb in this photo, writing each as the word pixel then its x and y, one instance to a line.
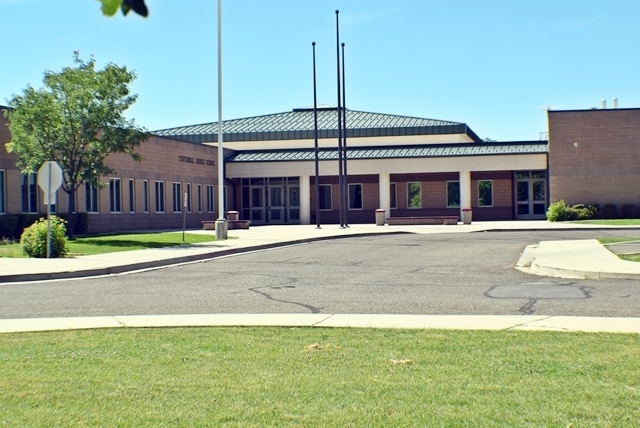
pixel 382 321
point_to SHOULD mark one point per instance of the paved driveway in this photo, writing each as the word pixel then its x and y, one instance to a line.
pixel 398 274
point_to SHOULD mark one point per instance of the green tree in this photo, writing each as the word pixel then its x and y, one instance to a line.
pixel 110 7
pixel 76 120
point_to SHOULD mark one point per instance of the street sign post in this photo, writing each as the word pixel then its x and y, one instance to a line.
pixel 49 180
pixel 184 214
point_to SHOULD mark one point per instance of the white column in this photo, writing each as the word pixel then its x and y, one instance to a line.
pixel 305 200
pixel 465 190
pixel 384 193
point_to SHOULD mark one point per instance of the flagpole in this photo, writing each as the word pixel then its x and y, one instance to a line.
pixel 340 176
pixel 315 136
pixel 221 223
pixel 344 143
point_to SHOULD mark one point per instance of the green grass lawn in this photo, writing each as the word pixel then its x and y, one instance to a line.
pixel 112 243
pixel 616 240
pixel 313 377
pixel 612 222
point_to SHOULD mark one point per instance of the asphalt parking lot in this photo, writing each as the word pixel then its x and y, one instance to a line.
pixel 442 274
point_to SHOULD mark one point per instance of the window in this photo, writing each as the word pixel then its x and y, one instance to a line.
pixel 29 193
pixel 199 197
pixel 159 196
pixel 115 195
pixel 485 193
pixel 393 192
pixel 211 205
pixel 91 198
pixel 3 208
pixel 355 196
pixel 325 196
pixel 453 194
pixel 414 195
pixel 188 195
pixel 177 197
pixel 145 196
pixel 132 196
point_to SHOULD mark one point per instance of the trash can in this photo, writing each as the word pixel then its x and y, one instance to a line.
pixel 380 217
pixel 233 215
pixel 466 216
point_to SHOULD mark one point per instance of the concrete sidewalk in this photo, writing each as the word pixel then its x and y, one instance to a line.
pixel 567 259
pixel 443 322
pixel 581 259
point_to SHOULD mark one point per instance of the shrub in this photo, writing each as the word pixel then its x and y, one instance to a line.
pixel 557 211
pixel 560 211
pixel 34 238
pixel 584 212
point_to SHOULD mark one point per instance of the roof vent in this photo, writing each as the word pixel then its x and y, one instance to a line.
pixel 614 103
pixel 603 104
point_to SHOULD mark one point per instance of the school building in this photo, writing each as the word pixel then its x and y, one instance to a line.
pixel 406 166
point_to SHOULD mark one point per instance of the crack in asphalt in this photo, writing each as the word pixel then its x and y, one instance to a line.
pixel 533 292
pixel 268 296
pixel 528 308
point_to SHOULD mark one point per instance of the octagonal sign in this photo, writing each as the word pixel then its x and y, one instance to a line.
pixel 50 177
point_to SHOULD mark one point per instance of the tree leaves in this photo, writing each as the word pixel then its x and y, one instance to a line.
pixel 138 7
pixel 77 120
pixel 110 7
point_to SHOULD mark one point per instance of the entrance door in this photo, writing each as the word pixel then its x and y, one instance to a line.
pixel 276 205
pixel 257 205
pixel 271 200
pixel 531 194
pixel 294 204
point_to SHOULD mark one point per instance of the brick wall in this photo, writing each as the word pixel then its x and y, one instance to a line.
pixel 163 160
pixel 594 156
pixel 502 208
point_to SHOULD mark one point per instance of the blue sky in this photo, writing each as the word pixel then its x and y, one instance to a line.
pixel 494 65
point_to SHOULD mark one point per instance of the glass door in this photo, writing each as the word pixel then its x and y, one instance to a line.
pixel 276 205
pixel 271 200
pixel 531 194
pixel 294 204
pixel 257 205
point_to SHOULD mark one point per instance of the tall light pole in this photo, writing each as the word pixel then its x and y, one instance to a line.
pixel 221 222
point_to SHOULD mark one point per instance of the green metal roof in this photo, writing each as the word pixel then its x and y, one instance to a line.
pixel 421 151
pixel 299 124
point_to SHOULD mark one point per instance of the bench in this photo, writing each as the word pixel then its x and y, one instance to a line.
pixel 431 219
pixel 231 224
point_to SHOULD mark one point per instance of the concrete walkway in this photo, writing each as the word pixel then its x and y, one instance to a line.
pixel 567 259
pixel 444 322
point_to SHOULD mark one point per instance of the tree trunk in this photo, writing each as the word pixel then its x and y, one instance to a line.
pixel 72 212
